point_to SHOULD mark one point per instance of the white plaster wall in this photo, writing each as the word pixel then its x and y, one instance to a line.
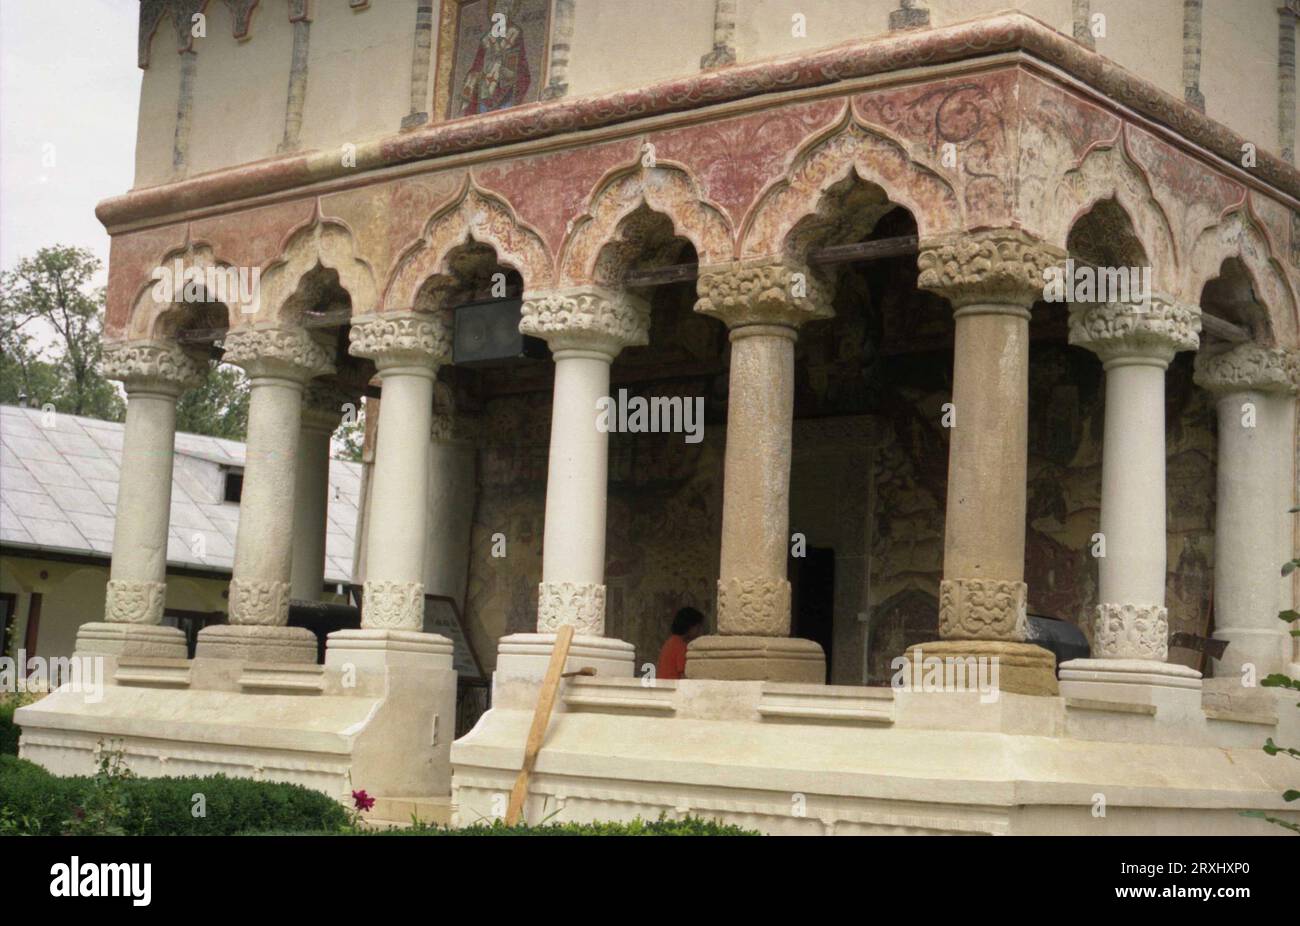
pixel 358 85
pixel 239 89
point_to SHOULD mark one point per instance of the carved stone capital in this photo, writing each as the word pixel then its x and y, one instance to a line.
pixel 1249 367
pixel 408 339
pixel 152 366
pixel 1130 631
pixel 324 405
pixel 262 603
pixel 997 266
pixel 283 353
pixel 393 605
pixel 581 604
pixel 1116 330
pixel 129 602
pixel 587 318
pixel 762 292
pixel 754 606
pixel 982 609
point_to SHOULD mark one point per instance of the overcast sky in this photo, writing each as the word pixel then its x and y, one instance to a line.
pixel 69 96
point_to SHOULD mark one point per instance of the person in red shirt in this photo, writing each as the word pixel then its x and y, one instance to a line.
pixel 687 625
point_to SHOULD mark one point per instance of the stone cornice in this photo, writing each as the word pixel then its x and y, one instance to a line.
pixel 405 339
pixel 152 366
pixel 1249 367
pixel 587 318
pixel 283 353
pixel 762 292
pixel 996 266
pixel 1116 330
pixel 1001 33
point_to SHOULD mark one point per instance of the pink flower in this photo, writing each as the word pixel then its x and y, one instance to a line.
pixel 362 800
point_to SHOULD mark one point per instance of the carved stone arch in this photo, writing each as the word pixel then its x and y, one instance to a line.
pixel 1238 235
pixel 666 188
pixel 327 243
pixel 474 216
pixel 156 317
pixel 1107 172
pixel 850 147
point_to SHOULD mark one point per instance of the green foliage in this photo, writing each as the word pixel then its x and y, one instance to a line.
pixel 51 294
pixel 34 802
pixel 9 731
pixel 687 826
pixel 348 440
pixel 217 407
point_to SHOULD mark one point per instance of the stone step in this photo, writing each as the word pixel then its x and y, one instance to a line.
pixel 394 812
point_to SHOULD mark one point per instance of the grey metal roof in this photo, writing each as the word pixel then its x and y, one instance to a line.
pixel 58 492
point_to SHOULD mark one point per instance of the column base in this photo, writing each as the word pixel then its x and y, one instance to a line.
pixel 374 648
pixel 1132 681
pixel 1023 668
pixel 119 639
pixel 753 658
pixel 257 643
pixel 528 655
pixel 1268 650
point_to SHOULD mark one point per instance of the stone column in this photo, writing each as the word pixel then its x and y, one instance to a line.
pixel 279 362
pixel 407 350
pixel 992 278
pixel 1131 636
pixel 763 304
pixel 586 328
pixel 322 410
pixel 391 644
pixel 154 374
pixel 1255 389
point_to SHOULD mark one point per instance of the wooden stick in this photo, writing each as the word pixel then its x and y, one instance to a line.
pixel 541 719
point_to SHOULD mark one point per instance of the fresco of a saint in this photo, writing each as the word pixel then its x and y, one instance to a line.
pixel 499 76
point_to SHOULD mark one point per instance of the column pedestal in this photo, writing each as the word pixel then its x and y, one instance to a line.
pixel 1130 645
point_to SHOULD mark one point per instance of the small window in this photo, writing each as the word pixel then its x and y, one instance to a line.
pixel 234 485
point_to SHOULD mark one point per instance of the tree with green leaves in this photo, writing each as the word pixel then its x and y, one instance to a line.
pixel 51 295
pixel 218 406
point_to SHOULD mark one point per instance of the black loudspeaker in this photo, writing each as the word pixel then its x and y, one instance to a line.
pixel 487 333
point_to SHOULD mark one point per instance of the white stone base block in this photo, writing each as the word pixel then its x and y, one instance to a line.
pixel 121 639
pixel 379 716
pixel 1137 681
pixel 528 654
pixel 816 759
pixel 257 643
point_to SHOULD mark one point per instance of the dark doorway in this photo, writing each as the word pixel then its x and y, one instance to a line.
pixel 812 593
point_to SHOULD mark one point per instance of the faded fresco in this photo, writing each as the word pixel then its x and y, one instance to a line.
pixel 500 53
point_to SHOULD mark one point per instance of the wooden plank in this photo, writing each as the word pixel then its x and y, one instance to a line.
pixel 1223 329
pixel 541 719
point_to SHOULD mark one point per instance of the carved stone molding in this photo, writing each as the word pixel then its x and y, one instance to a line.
pixel 130 602
pixel 393 605
pixel 587 318
pixel 1129 631
pixel 754 607
pixel 286 353
pixel 408 339
pixel 152 366
pixel 996 266
pixel 324 405
pixel 982 609
pixel 1114 330
pixel 581 604
pixel 762 292
pixel 1249 367
pixel 262 603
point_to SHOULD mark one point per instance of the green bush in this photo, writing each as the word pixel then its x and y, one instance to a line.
pixel 34 802
pixel 689 826
pixel 8 729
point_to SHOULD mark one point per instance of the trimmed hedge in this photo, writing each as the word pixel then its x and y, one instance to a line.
pixel 689 826
pixel 9 730
pixel 34 802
